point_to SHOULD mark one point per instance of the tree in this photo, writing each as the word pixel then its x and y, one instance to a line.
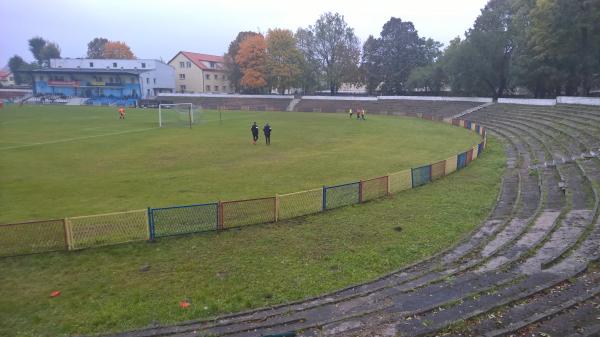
pixel 43 50
pixel 310 67
pixel 371 65
pixel 402 50
pixel 117 50
pixel 252 58
pixel 50 51
pixel 232 69
pixel 36 44
pixel 336 48
pixel 431 78
pixel 16 64
pixel 96 48
pixel 284 60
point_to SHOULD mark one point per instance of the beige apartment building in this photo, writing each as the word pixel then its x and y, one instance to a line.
pixel 200 73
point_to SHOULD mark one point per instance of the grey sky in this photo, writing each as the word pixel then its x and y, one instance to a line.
pixel 160 28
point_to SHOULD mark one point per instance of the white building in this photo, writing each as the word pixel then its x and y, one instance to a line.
pixel 117 78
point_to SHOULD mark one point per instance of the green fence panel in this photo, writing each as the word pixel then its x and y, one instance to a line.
pixel 341 195
pixel 177 220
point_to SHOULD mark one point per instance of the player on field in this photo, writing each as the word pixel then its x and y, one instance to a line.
pixel 121 113
pixel 254 129
pixel 267 131
pixel 350 112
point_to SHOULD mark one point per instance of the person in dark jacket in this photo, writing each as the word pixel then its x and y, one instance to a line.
pixel 254 130
pixel 267 132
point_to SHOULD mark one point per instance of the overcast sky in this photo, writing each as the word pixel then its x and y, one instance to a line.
pixel 161 28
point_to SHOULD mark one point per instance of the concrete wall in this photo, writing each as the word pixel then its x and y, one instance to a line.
pixel 527 101
pixel 438 98
pixel 578 100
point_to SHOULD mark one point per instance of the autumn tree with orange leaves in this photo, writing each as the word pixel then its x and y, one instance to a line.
pixel 117 50
pixel 252 58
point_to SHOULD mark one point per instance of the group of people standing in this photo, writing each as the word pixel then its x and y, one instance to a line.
pixel 266 130
pixel 360 113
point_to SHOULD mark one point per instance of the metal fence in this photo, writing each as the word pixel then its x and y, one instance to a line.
pixel 179 220
pixel 148 224
pixel 341 195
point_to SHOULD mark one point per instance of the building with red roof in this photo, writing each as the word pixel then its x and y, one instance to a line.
pixel 200 73
pixel 6 78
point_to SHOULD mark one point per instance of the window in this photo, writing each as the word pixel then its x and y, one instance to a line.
pixel 182 76
pixel 208 88
pixel 224 88
pixel 91 64
pixel 154 80
pixel 208 76
pixel 133 80
pixel 143 65
pixel 181 64
pixel 114 64
pixel 212 64
pixel 110 80
pixel 148 92
pixel 182 88
pixel 216 77
pixel 147 80
pixel 189 64
pixel 216 88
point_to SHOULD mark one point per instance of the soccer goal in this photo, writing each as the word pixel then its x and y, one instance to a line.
pixel 177 115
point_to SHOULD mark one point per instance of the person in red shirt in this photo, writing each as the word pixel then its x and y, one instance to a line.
pixel 121 113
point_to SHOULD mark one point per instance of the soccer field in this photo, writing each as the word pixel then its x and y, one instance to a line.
pixel 67 161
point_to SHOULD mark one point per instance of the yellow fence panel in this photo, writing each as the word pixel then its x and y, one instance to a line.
pixel 475 152
pixel 247 212
pixel 451 164
pixel 32 237
pixel 438 170
pixel 400 181
pixel 107 229
pixel 300 203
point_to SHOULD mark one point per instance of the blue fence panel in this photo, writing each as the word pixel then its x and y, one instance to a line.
pixel 462 161
pixel 183 219
pixel 479 149
pixel 421 175
pixel 477 128
pixel 341 195
pixel 467 124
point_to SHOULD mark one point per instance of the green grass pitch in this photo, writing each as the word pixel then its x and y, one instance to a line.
pixel 62 161
pixel 130 286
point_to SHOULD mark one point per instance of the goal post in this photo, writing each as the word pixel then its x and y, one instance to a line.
pixel 177 115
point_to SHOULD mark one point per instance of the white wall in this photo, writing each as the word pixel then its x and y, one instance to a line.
pixel 340 98
pixel 527 101
pixel 165 79
pixel 438 98
pixel 226 96
pixel 578 100
pixel 103 63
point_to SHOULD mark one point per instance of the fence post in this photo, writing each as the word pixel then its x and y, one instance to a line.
pixel 68 233
pixel 64 221
pixel 220 216
pixel 387 184
pixel 360 191
pixel 151 230
pixel 276 211
pixel 324 197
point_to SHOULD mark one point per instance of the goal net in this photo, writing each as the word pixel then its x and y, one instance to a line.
pixel 177 115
